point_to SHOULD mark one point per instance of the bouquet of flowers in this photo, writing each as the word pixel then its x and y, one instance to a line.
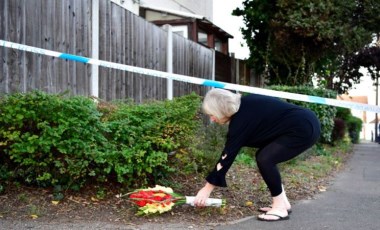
pixel 162 199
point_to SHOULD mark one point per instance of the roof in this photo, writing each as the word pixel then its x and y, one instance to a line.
pixel 358 99
pixel 201 18
pixel 174 12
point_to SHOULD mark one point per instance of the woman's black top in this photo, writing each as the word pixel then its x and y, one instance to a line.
pixel 259 121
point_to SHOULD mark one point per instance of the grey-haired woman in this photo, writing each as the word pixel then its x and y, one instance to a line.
pixel 280 131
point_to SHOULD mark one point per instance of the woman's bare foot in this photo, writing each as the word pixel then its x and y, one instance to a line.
pixel 275 214
pixel 267 209
pixel 280 208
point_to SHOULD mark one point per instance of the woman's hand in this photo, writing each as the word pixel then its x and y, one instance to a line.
pixel 203 195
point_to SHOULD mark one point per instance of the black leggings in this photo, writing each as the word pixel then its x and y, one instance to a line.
pixel 267 159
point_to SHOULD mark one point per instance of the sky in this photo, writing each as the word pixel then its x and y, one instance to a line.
pixel 231 24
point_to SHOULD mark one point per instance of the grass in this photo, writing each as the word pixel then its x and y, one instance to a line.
pixel 310 170
pixel 303 177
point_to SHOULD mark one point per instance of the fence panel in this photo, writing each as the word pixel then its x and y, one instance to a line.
pixel 54 25
pixel 192 59
pixel 65 26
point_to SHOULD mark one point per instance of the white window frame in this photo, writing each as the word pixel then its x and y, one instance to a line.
pixel 182 29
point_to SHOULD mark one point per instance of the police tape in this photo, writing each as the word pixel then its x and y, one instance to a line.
pixel 194 80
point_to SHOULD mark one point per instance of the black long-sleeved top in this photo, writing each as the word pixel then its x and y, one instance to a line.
pixel 259 121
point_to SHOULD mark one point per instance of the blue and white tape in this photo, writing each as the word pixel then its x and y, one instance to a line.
pixel 194 80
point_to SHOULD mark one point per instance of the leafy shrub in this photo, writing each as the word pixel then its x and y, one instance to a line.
pixel 203 150
pixel 325 113
pixel 49 139
pixel 343 113
pixel 339 130
pixel 144 135
pixel 353 124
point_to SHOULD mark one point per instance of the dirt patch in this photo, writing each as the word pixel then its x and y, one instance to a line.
pixel 245 194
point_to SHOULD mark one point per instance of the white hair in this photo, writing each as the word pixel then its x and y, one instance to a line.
pixel 221 103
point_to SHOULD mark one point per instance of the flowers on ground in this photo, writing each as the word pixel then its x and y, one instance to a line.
pixel 162 199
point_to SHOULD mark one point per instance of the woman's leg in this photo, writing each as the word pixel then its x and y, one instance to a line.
pixel 267 159
pixel 285 201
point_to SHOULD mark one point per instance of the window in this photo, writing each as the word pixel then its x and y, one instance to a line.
pixel 202 37
pixel 181 30
pixel 218 45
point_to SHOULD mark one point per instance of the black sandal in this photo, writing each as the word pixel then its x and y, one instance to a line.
pixel 271 214
pixel 263 211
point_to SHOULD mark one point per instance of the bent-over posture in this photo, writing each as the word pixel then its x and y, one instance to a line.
pixel 280 131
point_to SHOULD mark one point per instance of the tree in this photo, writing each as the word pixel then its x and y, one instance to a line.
pixel 291 40
pixel 368 57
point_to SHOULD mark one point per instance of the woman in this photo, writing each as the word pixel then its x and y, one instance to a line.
pixel 280 131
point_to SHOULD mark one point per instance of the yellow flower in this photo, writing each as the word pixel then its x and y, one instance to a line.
pixel 157 207
pixel 160 188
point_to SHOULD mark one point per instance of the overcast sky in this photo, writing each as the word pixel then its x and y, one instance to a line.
pixel 231 24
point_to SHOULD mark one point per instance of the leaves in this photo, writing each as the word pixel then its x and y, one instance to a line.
pixel 289 41
pixel 55 202
pixel 322 188
pixel 51 140
pixel 248 203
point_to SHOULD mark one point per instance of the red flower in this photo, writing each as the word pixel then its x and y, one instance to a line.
pixel 162 199
pixel 143 197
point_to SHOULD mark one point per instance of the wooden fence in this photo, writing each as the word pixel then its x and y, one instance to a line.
pixel 65 26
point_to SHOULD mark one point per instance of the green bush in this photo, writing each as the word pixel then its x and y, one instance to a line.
pixel 65 142
pixel 49 139
pixel 353 124
pixel 144 135
pixel 343 113
pixel 325 113
pixel 203 150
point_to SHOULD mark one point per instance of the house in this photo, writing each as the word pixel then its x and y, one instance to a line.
pixel 193 20
pixel 191 26
pixel 367 128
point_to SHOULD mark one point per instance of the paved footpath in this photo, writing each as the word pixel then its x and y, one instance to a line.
pixel 352 202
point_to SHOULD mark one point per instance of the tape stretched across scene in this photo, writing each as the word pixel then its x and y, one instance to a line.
pixel 194 80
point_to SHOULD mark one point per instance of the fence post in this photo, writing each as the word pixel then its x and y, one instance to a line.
pixel 95 49
pixel 213 65
pixel 169 61
pixel 237 67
